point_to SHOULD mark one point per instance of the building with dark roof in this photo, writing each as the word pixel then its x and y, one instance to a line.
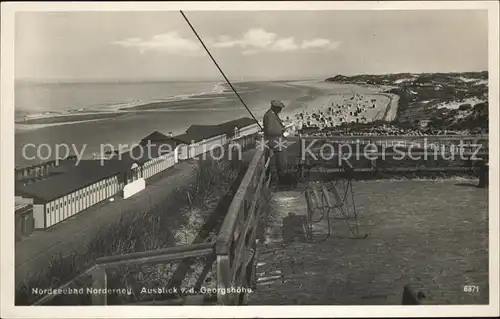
pixel 242 125
pixel 156 137
pixel 62 196
pixel 77 177
pixel 240 131
pixel 75 186
pixel 199 141
pixel 232 129
pixel 198 133
pixel 152 157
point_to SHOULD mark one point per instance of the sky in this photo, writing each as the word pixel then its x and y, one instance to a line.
pixel 267 45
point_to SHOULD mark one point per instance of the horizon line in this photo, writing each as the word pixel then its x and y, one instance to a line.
pixel 242 79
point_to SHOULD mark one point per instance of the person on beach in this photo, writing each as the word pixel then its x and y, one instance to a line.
pixel 274 130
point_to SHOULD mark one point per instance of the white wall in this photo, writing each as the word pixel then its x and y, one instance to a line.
pixel 208 144
pixel 182 152
pixel 74 205
pixel 159 164
pixel 134 187
pixel 38 213
pixel 176 155
pixel 249 130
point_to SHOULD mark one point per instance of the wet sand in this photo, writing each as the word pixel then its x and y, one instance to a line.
pixel 165 104
pixel 71 118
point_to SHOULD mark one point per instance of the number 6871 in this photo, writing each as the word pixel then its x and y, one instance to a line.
pixel 471 288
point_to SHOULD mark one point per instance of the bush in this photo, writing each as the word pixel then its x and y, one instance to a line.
pixel 464 107
pixel 481 107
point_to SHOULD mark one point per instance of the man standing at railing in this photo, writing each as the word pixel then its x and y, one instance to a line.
pixel 274 134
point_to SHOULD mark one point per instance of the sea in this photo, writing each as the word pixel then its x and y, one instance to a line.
pixel 202 103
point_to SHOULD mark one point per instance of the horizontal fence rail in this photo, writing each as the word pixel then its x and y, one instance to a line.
pixel 393 169
pixel 157 256
pixel 98 271
pixel 439 153
pixel 99 276
pixel 402 137
pixel 44 300
pixel 421 141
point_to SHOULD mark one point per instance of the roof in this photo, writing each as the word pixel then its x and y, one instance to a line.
pixel 21 202
pixel 189 138
pixel 19 206
pixel 87 172
pixel 38 163
pixel 241 122
pixel 156 136
pixel 199 132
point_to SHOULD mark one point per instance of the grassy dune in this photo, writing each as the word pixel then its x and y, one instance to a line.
pixel 433 102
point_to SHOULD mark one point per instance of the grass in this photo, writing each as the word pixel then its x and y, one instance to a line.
pixel 153 228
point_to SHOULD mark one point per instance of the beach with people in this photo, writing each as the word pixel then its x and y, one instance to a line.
pixel 335 104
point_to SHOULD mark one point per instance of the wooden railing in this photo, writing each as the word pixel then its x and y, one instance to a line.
pixel 98 272
pixel 235 246
pixel 414 153
pixel 405 141
pixel 403 137
pixel 233 249
pixel 99 277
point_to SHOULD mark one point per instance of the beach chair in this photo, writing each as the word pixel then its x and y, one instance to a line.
pixel 324 203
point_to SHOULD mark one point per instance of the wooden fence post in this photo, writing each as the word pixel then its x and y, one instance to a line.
pixel 223 279
pixel 99 282
pixel 483 174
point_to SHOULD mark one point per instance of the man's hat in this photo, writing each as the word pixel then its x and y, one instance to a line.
pixel 276 103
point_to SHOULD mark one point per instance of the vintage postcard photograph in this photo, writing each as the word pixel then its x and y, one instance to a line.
pixel 288 159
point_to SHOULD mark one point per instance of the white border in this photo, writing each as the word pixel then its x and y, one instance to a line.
pixel 8 310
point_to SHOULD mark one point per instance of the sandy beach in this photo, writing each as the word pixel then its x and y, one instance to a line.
pixel 333 104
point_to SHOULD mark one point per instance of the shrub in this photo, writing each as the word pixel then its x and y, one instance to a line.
pixel 464 107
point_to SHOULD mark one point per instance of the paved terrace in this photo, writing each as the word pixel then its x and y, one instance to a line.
pixel 433 230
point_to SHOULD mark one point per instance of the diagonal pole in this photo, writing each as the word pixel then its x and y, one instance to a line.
pixel 218 67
